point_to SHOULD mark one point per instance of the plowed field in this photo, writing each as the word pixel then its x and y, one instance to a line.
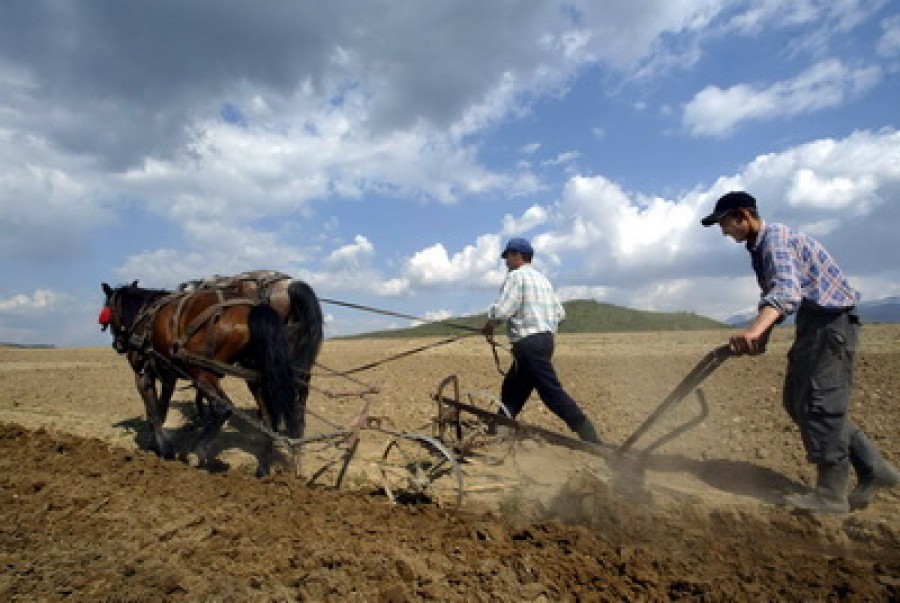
pixel 89 514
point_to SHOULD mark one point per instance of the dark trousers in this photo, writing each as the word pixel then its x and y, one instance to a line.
pixel 817 387
pixel 532 369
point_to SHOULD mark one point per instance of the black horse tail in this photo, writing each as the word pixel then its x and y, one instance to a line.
pixel 307 327
pixel 269 353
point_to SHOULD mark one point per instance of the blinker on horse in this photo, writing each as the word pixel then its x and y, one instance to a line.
pixel 200 336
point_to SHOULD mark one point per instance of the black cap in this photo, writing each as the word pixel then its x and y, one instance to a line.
pixel 728 203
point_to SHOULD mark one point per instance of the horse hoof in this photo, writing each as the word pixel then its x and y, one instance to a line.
pixel 193 460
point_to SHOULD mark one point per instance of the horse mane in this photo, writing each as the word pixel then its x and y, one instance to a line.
pixel 133 299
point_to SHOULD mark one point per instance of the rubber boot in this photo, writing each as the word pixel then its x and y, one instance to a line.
pixel 830 493
pixel 884 475
pixel 586 431
pixel 873 472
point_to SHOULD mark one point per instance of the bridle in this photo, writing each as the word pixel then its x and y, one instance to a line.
pixel 113 313
pixel 123 336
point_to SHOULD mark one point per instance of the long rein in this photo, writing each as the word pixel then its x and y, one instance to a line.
pixel 469 331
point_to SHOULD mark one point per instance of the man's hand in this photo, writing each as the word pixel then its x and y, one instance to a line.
pixel 754 340
pixel 748 343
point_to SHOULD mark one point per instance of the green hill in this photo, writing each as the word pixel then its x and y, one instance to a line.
pixel 582 316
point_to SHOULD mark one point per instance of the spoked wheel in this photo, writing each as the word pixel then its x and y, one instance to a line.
pixel 418 469
pixel 463 432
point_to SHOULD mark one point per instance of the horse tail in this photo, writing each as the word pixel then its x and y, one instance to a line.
pixel 270 353
pixel 307 327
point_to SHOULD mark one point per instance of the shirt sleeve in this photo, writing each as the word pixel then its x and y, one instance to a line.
pixel 510 299
pixel 781 287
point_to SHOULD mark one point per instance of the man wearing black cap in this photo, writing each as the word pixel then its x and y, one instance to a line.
pixel 532 311
pixel 797 275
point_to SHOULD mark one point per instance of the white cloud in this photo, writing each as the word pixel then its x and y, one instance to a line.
pixel 533 217
pixel 596 214
pixel 620 241
pixel 353 256
pixel 40 302
pixel 889 42
pixel 49 202
pixel 477 263
pixel 847 177
pixel 838 192
pixel 718 112
pixel 562 159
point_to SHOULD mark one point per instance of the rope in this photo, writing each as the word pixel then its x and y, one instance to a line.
pixel 399 355
pixel 472 330
pixel 454 325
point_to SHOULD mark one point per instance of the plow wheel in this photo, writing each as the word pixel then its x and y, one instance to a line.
pixel 418 469
pixel 464 432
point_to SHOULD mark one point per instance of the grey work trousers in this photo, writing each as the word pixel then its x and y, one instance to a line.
pixel 817 387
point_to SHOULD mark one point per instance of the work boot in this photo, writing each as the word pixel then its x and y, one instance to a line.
pixel 885 475
pixel 586 431
pixel 830 493
pixel 872 470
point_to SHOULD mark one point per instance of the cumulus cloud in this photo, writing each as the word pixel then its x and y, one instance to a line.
pixel 39 302
pixel 49 202
pixel 615 239
pixel 241 139
pixel 434 266
pixel 353 256
pixel 533 217
pixel 716 111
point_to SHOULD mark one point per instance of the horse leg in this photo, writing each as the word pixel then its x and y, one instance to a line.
pixel 267 448
pixel 220 409
pixel 202 413
pixel 156 409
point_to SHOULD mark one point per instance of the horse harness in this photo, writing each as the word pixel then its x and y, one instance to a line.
pixel 138 337
pixel 264 281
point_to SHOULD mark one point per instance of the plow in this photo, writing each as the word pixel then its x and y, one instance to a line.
pixel 437 467
pixel 466 422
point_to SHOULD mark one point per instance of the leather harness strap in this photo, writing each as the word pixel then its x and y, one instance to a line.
pixel 206 318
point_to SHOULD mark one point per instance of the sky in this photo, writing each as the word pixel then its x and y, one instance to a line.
pixel 384 151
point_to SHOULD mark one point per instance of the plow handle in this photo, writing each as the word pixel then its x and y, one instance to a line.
pixel 701 371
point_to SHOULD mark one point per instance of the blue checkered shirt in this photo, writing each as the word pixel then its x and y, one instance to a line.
pixel 528 303
pixel 793 268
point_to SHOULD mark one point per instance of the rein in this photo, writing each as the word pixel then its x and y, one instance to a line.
pixel 455 325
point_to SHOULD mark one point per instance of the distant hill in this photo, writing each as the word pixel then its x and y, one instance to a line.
pixel 26 346
pixel 886 310
pixel 882 310
pixel 582 316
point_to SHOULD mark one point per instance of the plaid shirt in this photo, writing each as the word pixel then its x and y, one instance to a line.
pixel 529 304
pixel 793 268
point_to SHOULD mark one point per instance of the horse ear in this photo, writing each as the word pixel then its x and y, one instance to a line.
pixel 134 284
pixel 106 289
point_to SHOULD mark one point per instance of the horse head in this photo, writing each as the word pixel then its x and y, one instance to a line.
pixel 121 309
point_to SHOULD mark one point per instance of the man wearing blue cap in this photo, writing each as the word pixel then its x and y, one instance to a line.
pixel 798 276
pixel 532 311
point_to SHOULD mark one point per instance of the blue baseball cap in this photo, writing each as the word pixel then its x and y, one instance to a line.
pixel 517 244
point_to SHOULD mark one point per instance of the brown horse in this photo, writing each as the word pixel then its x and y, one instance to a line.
pixel 297 305
pixel 199 336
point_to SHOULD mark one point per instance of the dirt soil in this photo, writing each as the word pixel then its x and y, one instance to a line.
pixel 87 513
